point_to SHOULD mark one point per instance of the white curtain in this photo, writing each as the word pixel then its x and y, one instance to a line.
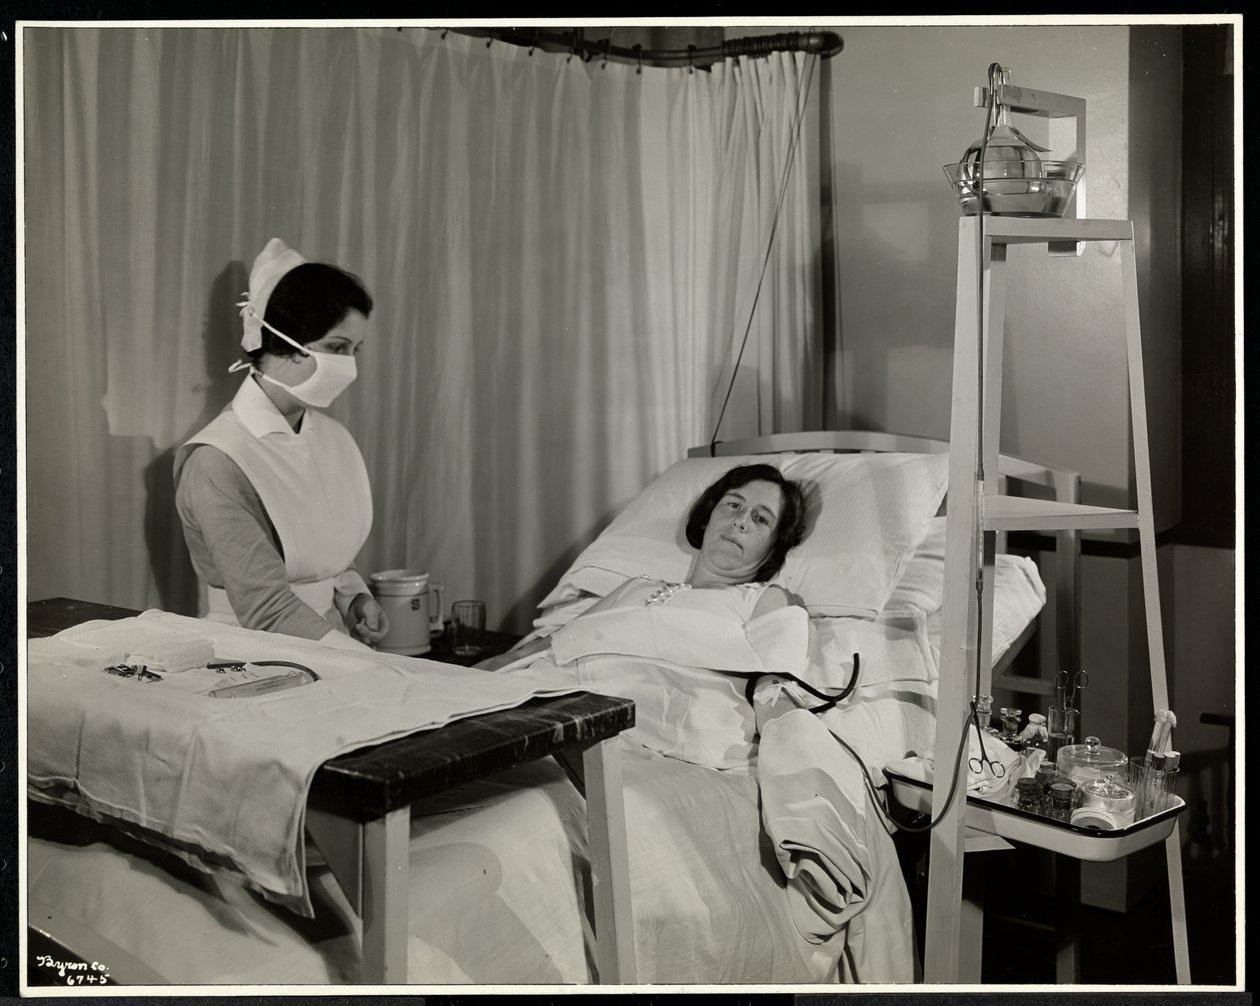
pixel 564 255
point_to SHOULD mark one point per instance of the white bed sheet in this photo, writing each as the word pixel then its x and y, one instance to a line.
pixel 499 872
pixel 224 783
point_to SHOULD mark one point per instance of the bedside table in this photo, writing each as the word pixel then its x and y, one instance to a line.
pixel 493 643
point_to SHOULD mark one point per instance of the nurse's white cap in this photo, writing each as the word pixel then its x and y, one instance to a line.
pixel 272 262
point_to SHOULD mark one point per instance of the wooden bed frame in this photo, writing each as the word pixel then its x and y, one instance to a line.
pixel 364 848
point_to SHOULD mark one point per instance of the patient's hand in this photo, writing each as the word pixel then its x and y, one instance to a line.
pixel 514 654
pixel 772 697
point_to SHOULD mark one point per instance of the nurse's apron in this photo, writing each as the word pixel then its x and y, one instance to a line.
pixel 315 489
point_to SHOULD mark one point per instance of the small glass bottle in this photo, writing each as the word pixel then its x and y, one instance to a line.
pixel 1010 723
pixel 1010 729
pixel 984 713
pixel 1036 734
pixel 1172 765
pixel 1062 794
pixel 1046 775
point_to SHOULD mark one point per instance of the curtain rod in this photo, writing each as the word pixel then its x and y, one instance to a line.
pixel 824 43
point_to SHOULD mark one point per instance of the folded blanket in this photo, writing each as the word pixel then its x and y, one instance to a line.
pixel 222 783
pixel 832 845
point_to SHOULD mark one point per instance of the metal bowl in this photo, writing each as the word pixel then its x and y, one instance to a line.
pixel 1016 189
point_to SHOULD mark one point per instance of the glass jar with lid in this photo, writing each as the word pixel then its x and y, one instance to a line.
pixel 1062 796
pixel 1110 801
pixel 1091 760
pixel 1028 795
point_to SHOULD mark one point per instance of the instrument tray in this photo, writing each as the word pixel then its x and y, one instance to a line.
pixel 1018 825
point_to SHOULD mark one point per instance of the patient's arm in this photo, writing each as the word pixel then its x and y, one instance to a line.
pixel 774 597
pixel 530 646
pixel 518 651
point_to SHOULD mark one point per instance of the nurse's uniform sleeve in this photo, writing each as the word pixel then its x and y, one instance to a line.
pixel 233 546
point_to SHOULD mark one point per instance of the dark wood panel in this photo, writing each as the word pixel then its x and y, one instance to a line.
pixel 373 781
pixel 51 615
pixel 1208 401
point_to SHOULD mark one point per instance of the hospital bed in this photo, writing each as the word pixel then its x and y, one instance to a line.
pixel 727 884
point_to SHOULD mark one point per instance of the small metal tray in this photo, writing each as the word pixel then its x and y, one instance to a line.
pixel 1033 829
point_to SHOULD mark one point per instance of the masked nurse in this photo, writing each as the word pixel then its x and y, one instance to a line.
pixel 273 494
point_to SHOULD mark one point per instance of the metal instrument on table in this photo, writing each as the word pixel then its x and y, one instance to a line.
pixel 976 764
pixel 238 687
pixel 139 672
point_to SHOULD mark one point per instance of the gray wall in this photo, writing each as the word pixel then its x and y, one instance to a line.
pixel 900 108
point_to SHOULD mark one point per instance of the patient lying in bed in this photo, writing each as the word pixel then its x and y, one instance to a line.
pixel 652 640
pixel 742 526
pixel 690 655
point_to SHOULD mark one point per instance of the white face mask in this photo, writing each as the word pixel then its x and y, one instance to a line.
pixel 333 374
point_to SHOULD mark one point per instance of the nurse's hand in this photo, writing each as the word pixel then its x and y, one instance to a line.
pixel 368 623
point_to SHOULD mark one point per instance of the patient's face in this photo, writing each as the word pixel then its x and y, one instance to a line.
pixel 741 531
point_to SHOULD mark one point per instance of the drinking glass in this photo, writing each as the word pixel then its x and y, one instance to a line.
pixel 468 627
pixel 1062 730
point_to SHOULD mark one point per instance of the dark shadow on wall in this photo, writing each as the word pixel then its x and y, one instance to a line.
pixel 164 536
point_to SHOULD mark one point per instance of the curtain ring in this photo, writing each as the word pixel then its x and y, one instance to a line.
pixel 573 44
pixel 638 55
pixel 607 47
pixel 534 44
pixel 691 52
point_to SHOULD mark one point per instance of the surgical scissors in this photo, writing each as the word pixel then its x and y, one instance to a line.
pixel 977 764
pixel 1067 685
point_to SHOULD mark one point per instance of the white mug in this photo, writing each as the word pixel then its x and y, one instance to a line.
pixel 413 604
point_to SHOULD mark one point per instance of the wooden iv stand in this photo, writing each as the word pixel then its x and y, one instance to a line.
pixel 976 508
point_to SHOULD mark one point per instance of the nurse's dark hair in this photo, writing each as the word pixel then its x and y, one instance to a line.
pixel 308 302
pixel 790 531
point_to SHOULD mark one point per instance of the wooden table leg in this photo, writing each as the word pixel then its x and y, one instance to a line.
pixel 610 871
pixel 386 852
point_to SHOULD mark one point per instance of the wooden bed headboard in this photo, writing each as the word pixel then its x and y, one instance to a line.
pixel 1063 485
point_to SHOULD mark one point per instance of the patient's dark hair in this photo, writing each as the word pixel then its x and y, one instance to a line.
pixel 787 535
pixel 309 301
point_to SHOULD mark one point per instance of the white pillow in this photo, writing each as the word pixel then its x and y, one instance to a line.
pixel 921 587
pixel 1018 591
pixel 865 515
